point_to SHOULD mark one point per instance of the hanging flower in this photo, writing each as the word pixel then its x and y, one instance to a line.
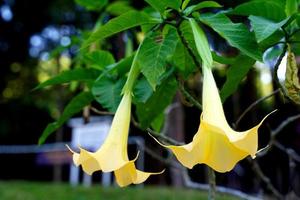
pixel 112 155
pixel 215 143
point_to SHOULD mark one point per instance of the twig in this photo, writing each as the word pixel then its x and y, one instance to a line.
pixel 290 152
pixel 253 105
pixel 256 168
pixel 189 96
pixel 164 137
pixel 284 124
pixel 95 110
pixel 275 132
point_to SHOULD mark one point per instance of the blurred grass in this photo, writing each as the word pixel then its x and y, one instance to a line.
pixel 17 190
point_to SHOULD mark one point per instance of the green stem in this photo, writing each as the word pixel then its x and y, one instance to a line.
pixel 133 74
pixel 212 184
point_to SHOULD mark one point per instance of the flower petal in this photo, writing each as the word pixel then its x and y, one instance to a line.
pixel 128 174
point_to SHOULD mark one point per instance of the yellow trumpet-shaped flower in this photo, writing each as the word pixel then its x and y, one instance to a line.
pixel 215 143
pixel 112 155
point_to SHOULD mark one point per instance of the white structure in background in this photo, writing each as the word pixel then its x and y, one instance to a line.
pixel 91 136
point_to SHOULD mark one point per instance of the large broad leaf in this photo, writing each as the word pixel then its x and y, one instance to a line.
pixel 236 34
pixel 291 7
pixel 74 106
pixel 79 74
pixel 204 4
pixel 107 91
pixel 154 53
pixel 119 7
pixel 187 33
pixel 273 10
pixel 235 74
pixel 99 59
pixel 92 4
pixel 161 5
pixel 142 90
pixel 182 60
pixel 123 22
pixel 264 28
pixel 155 105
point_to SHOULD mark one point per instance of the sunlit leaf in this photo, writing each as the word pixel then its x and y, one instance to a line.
pixel 156 49
pixel 264 28
pixel 161 5
pixel 155 105
pixel 204 4
pixel 92 4
pixel 107 91
pixel 236 34
pixel 235 74
pixel 99 59
pixel 123 22
pixel 73 107
pixel 272 10
pixel 119 8
pixel 78 74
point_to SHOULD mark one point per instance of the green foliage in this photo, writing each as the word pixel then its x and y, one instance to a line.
pixel 73 107
pixel 160 5
pixel 155 105
pixel 236 34
pixel 291 7
pixel 99 59
pixel 121 23
pixel 107 91
pixel 201 5
pixel 154 53
pixel 119 7
pixel 264 28
pixel 272 10
pixel 182 60
pixel 142 91
pixel 79 74
pixel 92 4
pixel 237 71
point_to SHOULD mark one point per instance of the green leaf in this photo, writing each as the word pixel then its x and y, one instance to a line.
pixel 154 53
pixel 78 74
pixel 156 104
pixel 121 23
pixel 272 10
pixel 74 106
pixel 119 7
pixel 236 34
pixel 204 4
pixel 92 4
pixel 291 7
pixel 99 59
pixel 263 28
pixel 158 122
pixel 161 5
pixel 107 92
pixel 235 74
pixel 187 33
pixel 182 60
pixel 142 90
pixel 201 43
pixel 222 59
